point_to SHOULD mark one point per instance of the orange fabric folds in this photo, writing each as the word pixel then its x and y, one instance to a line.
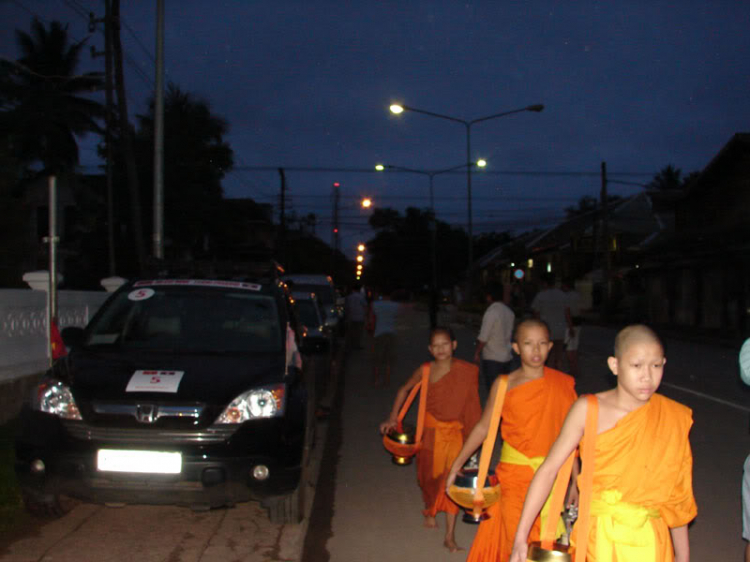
pixel 533 414
pixel 453 410
pixel 643 465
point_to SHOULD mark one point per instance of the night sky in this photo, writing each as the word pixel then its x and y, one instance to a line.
pixel 638 84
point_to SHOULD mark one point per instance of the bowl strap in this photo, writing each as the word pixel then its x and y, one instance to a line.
pixel 489 444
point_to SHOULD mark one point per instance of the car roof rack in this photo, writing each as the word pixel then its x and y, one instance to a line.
pixel 250 270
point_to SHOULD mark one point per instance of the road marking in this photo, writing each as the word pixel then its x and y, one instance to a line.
pixel 707 396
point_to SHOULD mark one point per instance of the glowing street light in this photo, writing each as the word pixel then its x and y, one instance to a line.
pixel 360 259
pixel 433 229
pixel 361 248
pixel 398 108
pixel 366 203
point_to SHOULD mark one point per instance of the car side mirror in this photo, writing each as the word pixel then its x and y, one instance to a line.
pixel 72 336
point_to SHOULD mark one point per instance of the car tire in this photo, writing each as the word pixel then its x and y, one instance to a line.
pixel 289 508
pixel 46 506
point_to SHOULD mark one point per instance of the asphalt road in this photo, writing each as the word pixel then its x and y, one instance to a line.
pixel 366 508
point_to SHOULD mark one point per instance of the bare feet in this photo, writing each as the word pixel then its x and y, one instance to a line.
pixel 430 522
pixel 450 544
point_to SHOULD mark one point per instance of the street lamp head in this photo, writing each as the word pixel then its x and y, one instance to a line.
pixel 396 108
pixel 366 203
pixel 379 167
pixel 481 163
pixel 361 248
pixel 538 107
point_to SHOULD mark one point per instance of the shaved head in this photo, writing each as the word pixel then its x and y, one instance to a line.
pixel 529 323
pixel 637 333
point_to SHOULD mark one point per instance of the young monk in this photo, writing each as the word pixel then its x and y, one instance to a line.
pixel 642 494
pixel 537 400
pixel 452 410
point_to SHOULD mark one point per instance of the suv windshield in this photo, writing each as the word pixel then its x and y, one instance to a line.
pixel 188 319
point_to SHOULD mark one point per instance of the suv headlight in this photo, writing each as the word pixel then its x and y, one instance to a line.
pixel 263 402
pixel 54 397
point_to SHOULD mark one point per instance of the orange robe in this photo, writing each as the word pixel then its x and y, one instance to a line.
pixel 646 459
pixel 453 410
pixel 533 414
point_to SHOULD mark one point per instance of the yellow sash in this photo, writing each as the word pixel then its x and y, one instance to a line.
pixel 624 528
pixel 511 455
pixel 448 442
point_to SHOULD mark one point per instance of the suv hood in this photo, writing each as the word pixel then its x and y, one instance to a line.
pixel 208 379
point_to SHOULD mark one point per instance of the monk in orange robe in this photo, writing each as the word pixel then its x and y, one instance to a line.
pixel 452 411
pixel 641 484
pixel 537 400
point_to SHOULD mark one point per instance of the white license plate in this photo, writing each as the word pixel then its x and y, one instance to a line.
pixel 149 462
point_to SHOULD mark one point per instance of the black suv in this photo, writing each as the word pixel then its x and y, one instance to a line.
pixel 186 391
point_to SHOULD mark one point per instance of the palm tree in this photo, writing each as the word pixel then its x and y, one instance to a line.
pixel 41 105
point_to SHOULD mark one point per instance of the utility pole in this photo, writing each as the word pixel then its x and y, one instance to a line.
pixel 158 233
pixel 605 243
pixel 126 140
pixel 107 53
pixel 335 242
pixel 282 218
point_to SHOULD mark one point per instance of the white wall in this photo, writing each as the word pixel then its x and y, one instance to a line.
pixel 23 326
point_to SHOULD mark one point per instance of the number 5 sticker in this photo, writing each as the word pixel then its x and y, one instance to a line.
pixel 141 294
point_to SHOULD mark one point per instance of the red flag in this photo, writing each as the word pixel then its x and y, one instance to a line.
pixel 58 346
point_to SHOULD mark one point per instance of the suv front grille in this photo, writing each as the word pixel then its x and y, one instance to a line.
pixel 87 432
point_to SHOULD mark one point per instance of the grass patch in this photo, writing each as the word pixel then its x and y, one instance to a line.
pixel 12 513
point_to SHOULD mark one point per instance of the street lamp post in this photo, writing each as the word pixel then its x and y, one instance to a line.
pixel 433 223
pixel 400 108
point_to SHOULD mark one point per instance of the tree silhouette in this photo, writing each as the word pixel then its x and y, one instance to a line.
pixel 41 95
pixel 196 158
pixel 668 178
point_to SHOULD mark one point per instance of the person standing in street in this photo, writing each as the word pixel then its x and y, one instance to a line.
pixel 551 305
pixel 573 320
pixel 383 319
pixel 355 311
pixel 493 352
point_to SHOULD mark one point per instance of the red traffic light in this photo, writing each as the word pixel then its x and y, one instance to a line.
pixel 336 230
pixel 336 184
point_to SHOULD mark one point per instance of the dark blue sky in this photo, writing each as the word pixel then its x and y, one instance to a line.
pixel 638 84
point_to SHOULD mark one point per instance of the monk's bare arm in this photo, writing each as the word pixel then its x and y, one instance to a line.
pixel 476 437
pixel 681 543
pixel 401 395
pixel 541 484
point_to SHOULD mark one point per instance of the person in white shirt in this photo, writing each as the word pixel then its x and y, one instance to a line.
pixel 493 352
pixel 552 306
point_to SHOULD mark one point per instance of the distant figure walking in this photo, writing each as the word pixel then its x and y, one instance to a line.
pixel 383 318
pixel 493 352
pixel 574 321
pixel 551 305
pixel 355 312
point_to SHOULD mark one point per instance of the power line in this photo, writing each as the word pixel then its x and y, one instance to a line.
pixel 137 40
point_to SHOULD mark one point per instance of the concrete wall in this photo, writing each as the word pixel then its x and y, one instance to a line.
pixel 23 337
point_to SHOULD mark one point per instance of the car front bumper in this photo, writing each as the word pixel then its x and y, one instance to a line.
pixel 216 474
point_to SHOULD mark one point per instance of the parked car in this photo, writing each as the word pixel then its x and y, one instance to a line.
pixel 317 340
pixel 317 337
pixel 186 391
pixel 323 286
